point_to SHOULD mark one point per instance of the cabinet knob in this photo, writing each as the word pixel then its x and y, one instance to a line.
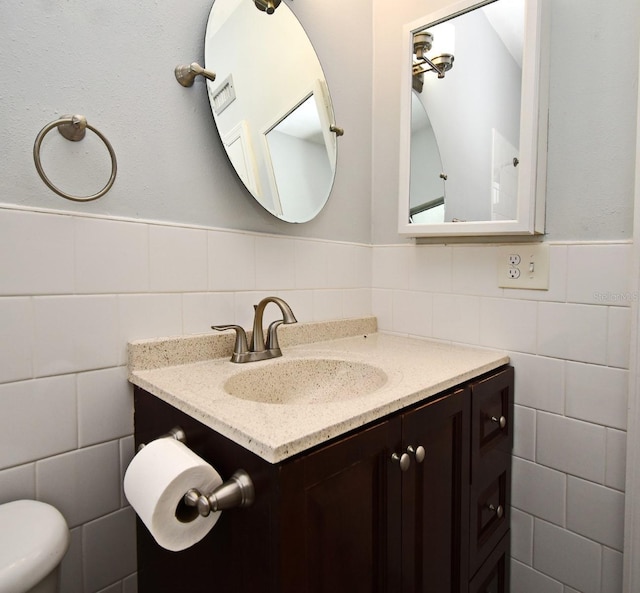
pixel 502 421
pixel 418 453
pixel 403 460
pixel 499 510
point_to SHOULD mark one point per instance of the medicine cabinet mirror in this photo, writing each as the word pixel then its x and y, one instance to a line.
pixel 473 121
pixel 271 106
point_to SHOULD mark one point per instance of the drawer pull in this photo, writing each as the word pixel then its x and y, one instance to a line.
pixel 499 510
pixel 403 460
pixel 419 453
pixel 502 421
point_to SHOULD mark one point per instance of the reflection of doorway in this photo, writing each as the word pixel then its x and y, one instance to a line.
pixel 504 178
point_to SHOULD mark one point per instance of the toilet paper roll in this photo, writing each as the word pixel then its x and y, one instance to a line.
pixel 155 483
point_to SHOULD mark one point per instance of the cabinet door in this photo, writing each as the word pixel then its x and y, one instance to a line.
pixel 435 496
pixel 340 527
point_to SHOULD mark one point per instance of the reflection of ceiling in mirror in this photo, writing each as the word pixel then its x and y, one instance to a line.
pixel 224 11
pixel 303 123
pixel 507 19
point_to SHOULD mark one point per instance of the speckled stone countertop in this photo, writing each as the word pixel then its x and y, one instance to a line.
pixel 190 373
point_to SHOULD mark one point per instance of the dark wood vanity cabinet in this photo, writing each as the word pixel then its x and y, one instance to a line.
pixel 350 516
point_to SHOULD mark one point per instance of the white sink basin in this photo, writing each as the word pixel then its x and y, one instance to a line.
pixel 306 381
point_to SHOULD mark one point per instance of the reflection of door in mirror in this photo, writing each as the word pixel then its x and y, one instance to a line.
pixel 266 67
pixel 480 94
pixel 299 159
pixel 426 186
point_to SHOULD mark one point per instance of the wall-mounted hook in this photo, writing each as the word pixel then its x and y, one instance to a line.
pixel 185 75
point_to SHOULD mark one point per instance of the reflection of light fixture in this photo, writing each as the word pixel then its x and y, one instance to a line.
pixel 268 6
pixel 422 43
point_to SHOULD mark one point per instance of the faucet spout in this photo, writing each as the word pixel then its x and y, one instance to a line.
pixel 257 338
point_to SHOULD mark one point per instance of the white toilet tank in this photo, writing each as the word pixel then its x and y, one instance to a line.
pixel 34 539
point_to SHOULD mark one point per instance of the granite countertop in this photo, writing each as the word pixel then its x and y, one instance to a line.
pixel 189 373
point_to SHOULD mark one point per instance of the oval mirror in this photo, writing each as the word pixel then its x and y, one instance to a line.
pixel 271 106
pixel 476 69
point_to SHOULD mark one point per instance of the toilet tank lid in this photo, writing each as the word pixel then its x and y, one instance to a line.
pixel 34 539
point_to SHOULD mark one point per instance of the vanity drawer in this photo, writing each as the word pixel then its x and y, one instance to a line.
pixel 489 515
pixel 493 577
pixel 491 423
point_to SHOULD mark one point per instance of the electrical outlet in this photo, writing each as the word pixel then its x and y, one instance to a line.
pixel 524 266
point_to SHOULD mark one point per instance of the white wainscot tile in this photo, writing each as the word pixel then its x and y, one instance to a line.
pixel 539 382
pixel 475 270
pixel 456 318
pixel 147 316
pixel 363 255
pixel 597 394
pixel 311 264
pixel 573 332
pixel 615 470
pixel 83 484
pixel 232 261
pixel 130 584
pixel 71 579
pixel 36 253
pixel 327 304
pixel 508 324
pixel 75 333
pixel 275 263
pixel 596 512
pixel 105 406
pixel 382 304
pixel 571 446
pixel 557 279
pixel 599 274
pixel 109 549
pixel 430 268
pixel 524 433
pixel 111 256
pixel 525 579
pixel 611 571
pixel 538 490
pixel 619 337
pixel 17 483
pixel 300 301
pixel 16 328
pixel 177 259
pixel 201 310
pixel 127 451
pixel 344 261
pixel 391 267
pixel 356 302
pixel 44 407
pixel 521 537
pixel 553 546
pixel 412 313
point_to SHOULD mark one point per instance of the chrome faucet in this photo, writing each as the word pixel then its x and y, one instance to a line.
pixel 260 349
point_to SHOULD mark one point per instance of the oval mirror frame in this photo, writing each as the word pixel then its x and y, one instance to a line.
pixel 533 130
pixel 271 106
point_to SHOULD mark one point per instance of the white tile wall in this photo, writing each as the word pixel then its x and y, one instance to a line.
pixel 570 349
pixel 73 291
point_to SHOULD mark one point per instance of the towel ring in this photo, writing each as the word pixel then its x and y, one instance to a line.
pixel 73 127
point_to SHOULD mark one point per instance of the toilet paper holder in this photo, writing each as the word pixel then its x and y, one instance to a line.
pixel 236 492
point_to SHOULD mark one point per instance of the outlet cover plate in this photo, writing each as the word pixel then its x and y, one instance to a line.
pixel 531 270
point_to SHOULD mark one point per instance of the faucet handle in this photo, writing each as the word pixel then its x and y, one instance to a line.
pixel 240 346
pixel 272 335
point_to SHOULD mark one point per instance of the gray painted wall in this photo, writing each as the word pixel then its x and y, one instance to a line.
pixel 593 80
pixel 113 62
